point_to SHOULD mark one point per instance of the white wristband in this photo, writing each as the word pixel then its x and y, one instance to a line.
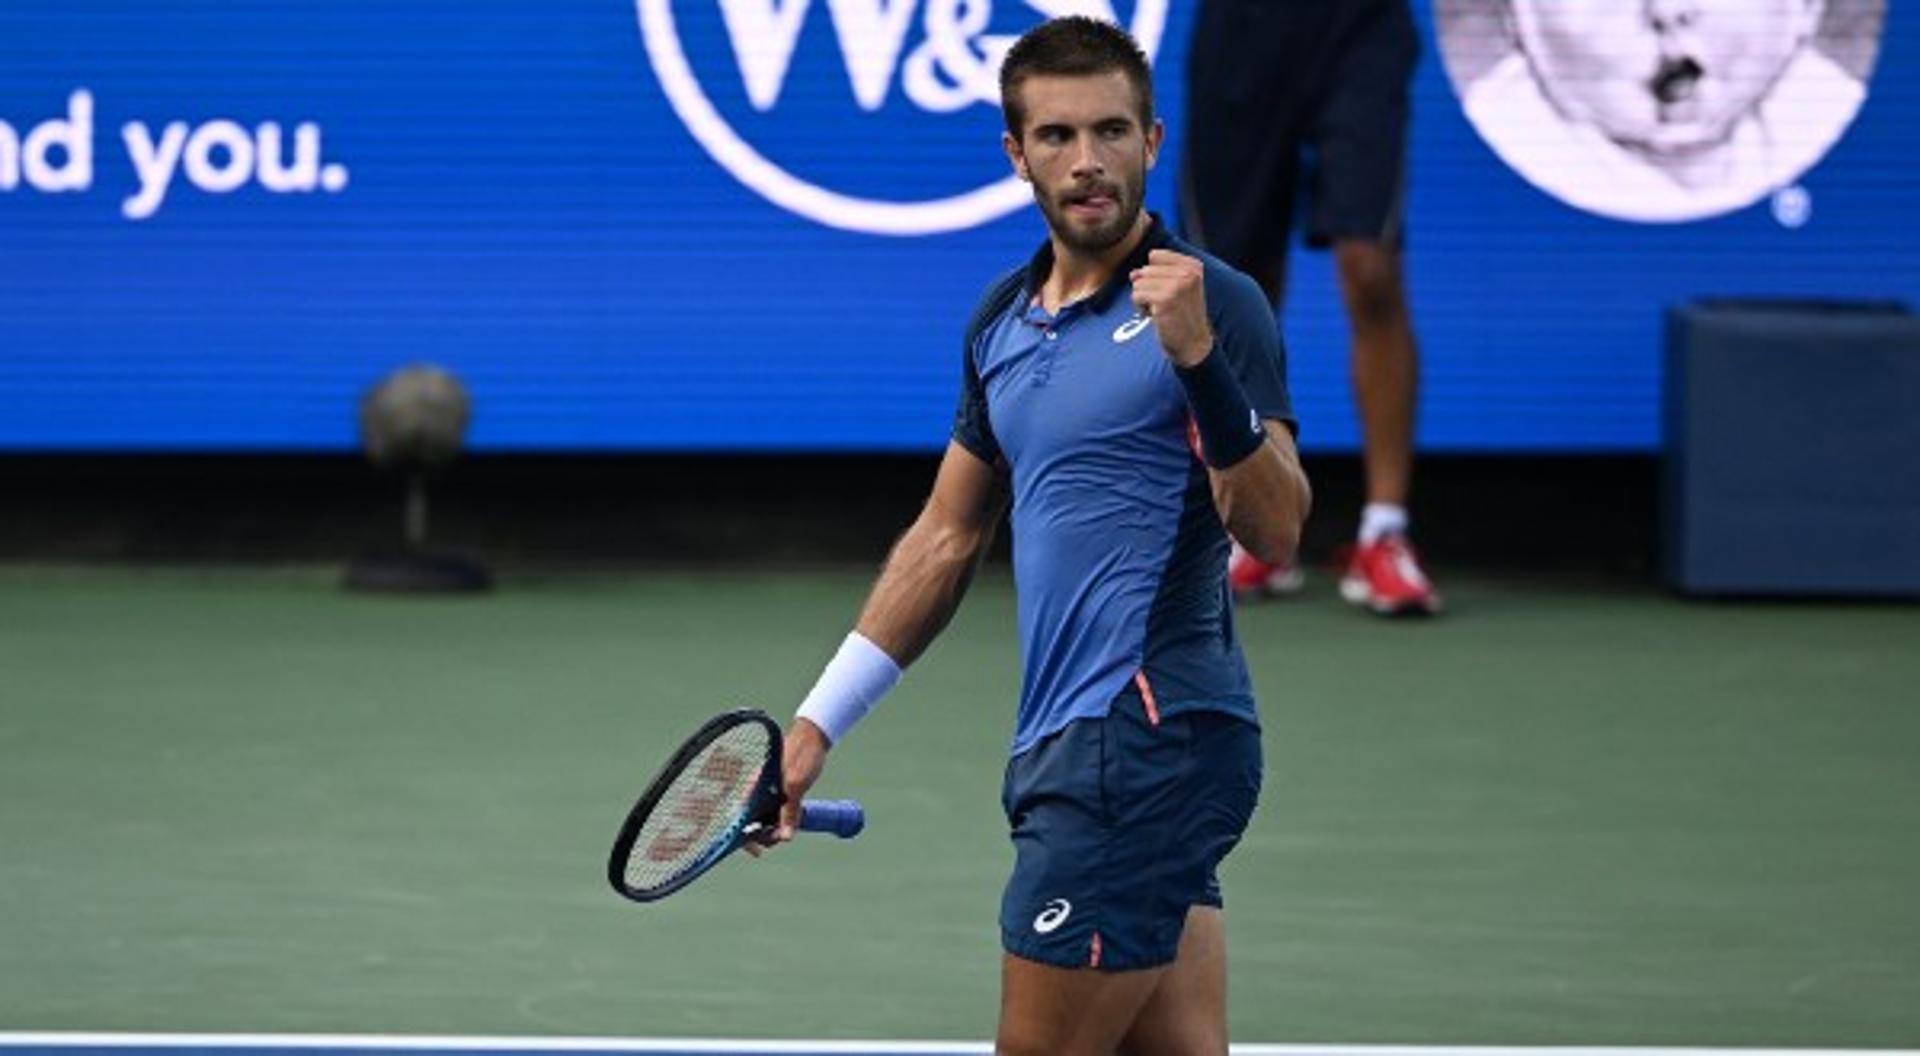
pixel 854 681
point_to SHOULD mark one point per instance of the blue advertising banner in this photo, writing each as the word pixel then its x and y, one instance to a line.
pixel 674 225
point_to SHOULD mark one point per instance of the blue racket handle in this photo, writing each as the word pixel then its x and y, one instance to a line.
pixel 842 817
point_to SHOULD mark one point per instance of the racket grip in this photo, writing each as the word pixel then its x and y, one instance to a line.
pixel 842 817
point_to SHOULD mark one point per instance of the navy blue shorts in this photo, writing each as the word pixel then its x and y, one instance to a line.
pixel 1119 824
pixel 1295 106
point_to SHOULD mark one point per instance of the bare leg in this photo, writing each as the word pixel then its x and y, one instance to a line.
pixel 1386 369
pixel 1048 1011
pixel 1187 1013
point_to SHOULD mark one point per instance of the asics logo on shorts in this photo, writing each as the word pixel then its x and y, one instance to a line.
pixel 1054 915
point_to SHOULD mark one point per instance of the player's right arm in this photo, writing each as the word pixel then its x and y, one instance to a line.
pixel 931 565
pixel 925 576
pixel 916 594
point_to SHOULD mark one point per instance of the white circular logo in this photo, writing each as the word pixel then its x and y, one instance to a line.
pixel 956 66
pixel 1660 110
pixel 1054 915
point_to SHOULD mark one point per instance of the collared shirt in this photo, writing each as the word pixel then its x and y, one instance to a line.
pixel 1119 554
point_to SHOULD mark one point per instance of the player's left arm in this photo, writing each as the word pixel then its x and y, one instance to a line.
pixel 1229 360
pixel 1263 499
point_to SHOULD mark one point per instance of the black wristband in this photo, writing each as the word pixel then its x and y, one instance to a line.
pixel 1229 428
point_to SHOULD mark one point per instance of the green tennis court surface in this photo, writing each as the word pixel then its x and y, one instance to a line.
pixel 242 801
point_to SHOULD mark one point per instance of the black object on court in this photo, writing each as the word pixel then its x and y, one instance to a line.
pixel 1789 454
pixel 413 423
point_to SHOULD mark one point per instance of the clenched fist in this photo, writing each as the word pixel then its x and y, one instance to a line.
pixel 1171 290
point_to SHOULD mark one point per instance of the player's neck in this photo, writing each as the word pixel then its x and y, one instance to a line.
pixel 1077 275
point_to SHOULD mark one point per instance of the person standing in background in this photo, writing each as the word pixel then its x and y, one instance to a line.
pixel 1306 101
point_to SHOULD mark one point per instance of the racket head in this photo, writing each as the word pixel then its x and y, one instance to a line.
pixel 719 789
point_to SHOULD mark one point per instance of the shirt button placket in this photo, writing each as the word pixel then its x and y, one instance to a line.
pixel 1049 337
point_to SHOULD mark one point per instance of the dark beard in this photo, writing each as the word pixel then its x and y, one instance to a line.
pixel 1100 239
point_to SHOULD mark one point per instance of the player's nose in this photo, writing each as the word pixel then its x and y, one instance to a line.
pixel 1086 159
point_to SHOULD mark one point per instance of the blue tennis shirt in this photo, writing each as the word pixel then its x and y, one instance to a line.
pixel 1119 556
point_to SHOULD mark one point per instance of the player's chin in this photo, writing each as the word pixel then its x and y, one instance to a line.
pixel 1091 234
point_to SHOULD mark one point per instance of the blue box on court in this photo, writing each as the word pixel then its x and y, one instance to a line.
pixel 1792 448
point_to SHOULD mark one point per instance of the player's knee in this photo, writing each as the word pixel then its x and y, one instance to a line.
pixel 1370 277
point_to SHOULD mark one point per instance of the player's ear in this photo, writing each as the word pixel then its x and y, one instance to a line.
pixel 1156 135
pixel 1015 155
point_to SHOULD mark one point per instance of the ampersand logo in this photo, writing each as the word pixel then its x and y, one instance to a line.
pixel 752 81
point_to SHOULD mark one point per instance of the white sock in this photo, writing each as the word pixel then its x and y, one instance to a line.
pixel 1381 518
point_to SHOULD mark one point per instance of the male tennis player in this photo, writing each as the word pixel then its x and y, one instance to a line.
pixel 1128 394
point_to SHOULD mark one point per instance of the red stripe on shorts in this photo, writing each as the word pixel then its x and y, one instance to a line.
pixel 1146 697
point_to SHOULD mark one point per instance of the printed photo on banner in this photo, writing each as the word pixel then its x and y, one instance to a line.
pixel 1660 110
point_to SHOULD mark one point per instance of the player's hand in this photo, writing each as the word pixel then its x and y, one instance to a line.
pixel 1171 290
pixel 803 756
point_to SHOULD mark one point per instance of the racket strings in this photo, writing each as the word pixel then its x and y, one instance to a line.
pixel 698 811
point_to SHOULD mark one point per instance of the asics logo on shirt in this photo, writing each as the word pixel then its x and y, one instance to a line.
pixel 1126 331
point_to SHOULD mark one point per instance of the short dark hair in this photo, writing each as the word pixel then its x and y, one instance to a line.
pixel 1073 46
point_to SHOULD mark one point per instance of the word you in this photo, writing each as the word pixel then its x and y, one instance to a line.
pixel 216 157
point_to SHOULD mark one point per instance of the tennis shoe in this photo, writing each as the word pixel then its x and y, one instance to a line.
pixel 1385 577
pixel 1251 577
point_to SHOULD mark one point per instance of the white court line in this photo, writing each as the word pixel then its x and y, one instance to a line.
pixel 765 1047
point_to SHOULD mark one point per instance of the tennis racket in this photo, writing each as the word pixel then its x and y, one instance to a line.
pixel 722 789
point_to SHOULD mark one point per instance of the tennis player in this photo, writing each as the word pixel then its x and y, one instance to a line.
pixel 1127 394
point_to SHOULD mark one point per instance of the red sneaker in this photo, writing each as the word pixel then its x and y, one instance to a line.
pixel 1251 577
pixel 1385 577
